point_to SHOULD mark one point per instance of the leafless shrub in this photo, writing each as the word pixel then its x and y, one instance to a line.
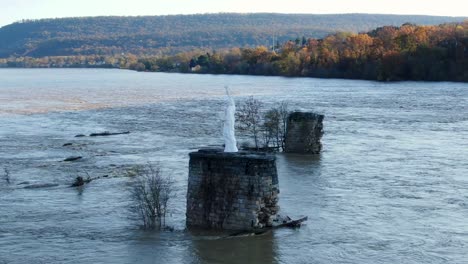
pixel 274 126
pixel 267 129
pixel 270 128
pixel 151 193
pixel 249 118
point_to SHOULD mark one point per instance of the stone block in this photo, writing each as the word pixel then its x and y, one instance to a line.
pixel 304 132
pixel 228 190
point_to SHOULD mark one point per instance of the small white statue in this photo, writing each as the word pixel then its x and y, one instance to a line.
pixel 230 144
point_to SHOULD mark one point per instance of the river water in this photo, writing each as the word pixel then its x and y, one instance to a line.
pixel 391 185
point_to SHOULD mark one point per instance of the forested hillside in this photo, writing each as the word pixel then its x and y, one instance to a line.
pixel 156 35
pixel 389 53
pixel 409 52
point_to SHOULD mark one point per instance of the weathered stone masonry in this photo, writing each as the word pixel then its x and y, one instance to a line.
pixel 304 132
pixel 234 191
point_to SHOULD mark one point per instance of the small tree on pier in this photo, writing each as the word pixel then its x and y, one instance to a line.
pixel 250 119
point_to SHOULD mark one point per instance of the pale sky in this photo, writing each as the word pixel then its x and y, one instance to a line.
pixel 14 10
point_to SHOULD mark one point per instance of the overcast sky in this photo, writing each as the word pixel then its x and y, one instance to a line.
pixel 14 10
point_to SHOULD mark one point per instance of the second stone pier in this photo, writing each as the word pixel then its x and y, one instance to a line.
pixel 304 132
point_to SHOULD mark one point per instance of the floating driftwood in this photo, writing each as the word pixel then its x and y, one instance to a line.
pixel 292 223
pixel 73 158
pixel 288 222
pixel 107 133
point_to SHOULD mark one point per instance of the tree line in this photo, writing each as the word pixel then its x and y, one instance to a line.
pixel 156 35
pixel 409 52
pixel 389 53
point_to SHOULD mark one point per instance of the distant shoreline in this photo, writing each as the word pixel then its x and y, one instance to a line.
pixel 229 74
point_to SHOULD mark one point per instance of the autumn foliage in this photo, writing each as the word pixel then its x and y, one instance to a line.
pixel 409 52
pixel 389 53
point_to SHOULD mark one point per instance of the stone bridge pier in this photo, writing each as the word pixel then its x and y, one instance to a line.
pixel 232 191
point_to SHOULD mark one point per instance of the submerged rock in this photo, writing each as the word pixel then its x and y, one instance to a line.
pixel 73 158
pixel 107 133
pixel 41 185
